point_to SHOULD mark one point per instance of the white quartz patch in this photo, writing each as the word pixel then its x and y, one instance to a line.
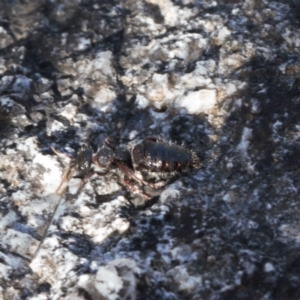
pixel 141 101
pixel 119 274
pixel 108 283
pixel 169 194
pixel 268 267
pixel 51 177
pixel 4 273
pixel 104 95
pixel 99 230
pixel 103 63
pixel 6 101
pixel 69 111
pixel 184 280
pixel 17 242
pixel 202 101
pixel 168 10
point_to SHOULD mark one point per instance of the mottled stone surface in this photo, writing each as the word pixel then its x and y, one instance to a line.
pixel 221 78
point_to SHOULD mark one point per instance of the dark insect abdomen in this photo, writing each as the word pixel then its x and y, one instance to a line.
pixel 162 157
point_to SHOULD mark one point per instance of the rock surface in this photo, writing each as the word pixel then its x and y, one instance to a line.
pixel 219 77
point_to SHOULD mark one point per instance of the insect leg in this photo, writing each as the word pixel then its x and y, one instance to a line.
pixel 131 174
pixel 65 179
pixel 46 229
pixel 134 190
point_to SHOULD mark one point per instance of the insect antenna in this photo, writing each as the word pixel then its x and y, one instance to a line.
pixel 46 230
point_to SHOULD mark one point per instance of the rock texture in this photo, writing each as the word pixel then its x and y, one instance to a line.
pixel 221 78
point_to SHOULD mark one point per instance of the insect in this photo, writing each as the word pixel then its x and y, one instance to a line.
pixel 151 163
